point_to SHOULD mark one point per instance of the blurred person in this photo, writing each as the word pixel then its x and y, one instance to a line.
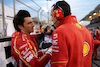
pixel 37 29
pixel 23 46
pixel 96 43
pixel 97 37
pixel 95 53
pixel 97 33
pixel 40 28
pixel 46 38
pixel 90 30
pixel 94 32
pixel 72 43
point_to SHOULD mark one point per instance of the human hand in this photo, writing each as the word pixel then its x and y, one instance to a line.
pixel 49 51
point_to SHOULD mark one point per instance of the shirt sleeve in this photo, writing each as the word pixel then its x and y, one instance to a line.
pixel 59 50
pixel 29 55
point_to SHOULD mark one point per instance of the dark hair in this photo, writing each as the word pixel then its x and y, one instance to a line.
pixel 46 29
pixel 19 18
pixel 97 27
pixel 64 6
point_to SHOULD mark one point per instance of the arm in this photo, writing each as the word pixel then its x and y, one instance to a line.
pixel 44 51
pixel 59 50
pixel 29 56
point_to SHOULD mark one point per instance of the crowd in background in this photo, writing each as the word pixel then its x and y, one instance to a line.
pixel 95 32
pixel 72 44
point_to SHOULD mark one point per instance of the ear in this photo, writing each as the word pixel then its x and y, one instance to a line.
pixel 20 27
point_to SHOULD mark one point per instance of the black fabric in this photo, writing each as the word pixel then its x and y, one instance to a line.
pixel 39 39
pixel 46 45
pixel 10 65
pixel 5 39
pixel 8 51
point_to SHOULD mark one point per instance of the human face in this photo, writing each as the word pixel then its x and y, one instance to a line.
pixel 53 18
pixel 28 25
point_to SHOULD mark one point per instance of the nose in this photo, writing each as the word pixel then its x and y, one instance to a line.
pixel 33 24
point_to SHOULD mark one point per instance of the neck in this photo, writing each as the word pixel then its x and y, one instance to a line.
pixel 58 24
pixel 25 32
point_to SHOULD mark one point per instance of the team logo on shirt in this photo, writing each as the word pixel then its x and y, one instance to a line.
pixel 55 47
pixel 86 49
pixel 77 25
pixel 57 14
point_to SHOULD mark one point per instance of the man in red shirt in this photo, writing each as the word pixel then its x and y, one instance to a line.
pixel 97 37
pixel 72 43
pixel 24 47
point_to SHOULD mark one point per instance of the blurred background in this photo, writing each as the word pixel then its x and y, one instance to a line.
pixel 86 11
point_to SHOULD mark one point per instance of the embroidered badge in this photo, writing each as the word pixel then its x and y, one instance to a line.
pixel 78 26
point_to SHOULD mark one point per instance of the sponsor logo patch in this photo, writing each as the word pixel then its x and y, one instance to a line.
pixel 86 49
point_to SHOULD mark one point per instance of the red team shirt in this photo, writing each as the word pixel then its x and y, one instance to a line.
pixel 97 34
pixel 72 45
pixel 26 52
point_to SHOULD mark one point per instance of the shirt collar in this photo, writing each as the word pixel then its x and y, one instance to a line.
pixel 67 19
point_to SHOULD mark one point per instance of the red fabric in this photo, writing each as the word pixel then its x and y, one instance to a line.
pixel 96 45
pixel 14 35
pixel 97 34
pixel 73 17
pixel 24 50
pixel 97 37
pixel 72 45
pixel 35 35
pixel 40 30
pixel 96 53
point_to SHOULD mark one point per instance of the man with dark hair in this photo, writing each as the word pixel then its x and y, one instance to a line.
pixel 24 47
pixel 19 18
pixel 72 43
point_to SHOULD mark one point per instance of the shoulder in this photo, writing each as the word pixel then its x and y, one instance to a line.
pixel 15 33
pixel 59 31
pixel 62 28
pixel 21 38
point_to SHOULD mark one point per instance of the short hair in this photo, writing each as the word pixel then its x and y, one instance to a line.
pixel 65 7
pixel 97 27
pixel 19 18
